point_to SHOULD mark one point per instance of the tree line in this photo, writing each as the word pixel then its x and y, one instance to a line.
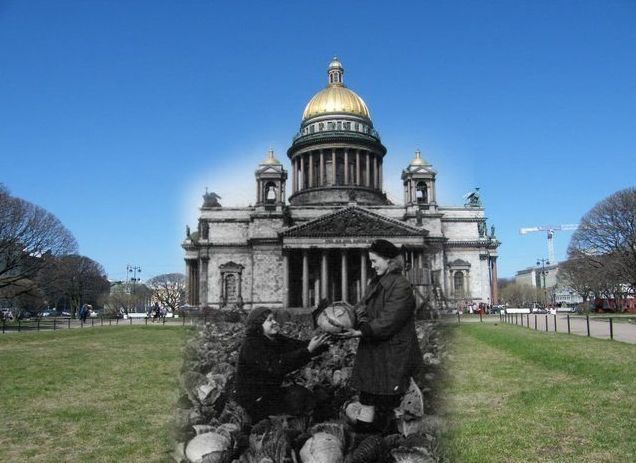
pixel 40 267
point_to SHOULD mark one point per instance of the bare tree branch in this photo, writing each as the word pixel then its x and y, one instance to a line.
pixel 169 289
pixel 28 234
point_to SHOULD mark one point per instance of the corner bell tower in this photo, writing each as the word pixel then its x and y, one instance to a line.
pixel 419 184
pixel 270 182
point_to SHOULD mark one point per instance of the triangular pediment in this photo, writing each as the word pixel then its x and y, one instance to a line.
pixel 231 266
pixel 270 170
pixel 421 170
pixel 353 221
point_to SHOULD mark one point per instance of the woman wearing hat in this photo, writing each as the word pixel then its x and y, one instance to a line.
pixel 265 358
pixel 388 353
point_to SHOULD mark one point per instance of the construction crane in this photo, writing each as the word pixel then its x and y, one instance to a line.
pixel 550 229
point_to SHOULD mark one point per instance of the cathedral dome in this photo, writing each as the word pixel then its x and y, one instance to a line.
pixel 336 98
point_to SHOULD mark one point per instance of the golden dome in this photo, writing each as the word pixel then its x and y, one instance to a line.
pixel 335 63
pixel 336 98
pixel 418 161
pixel 270 159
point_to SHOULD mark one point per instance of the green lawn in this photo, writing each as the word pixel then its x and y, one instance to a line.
pixel 102 394
pixel 515 395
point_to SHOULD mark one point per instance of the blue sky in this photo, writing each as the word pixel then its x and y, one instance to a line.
pixel 116 115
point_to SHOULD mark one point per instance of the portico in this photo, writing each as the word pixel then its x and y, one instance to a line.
pixel 327 258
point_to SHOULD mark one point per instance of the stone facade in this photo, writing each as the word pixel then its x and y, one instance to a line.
pixel 293 252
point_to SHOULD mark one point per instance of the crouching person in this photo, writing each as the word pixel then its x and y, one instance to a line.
pixel 265 358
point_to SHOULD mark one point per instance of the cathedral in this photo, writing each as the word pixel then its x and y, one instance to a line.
pixel 292 251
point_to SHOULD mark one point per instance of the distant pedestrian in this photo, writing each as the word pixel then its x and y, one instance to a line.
pixel 82 313
pixel 156 312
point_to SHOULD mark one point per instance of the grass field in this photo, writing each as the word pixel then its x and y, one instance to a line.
pixel 89 395
pixel 516 395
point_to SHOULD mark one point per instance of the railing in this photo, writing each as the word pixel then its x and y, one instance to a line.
pixel 552 322
pixel 334 132
pixel 56 323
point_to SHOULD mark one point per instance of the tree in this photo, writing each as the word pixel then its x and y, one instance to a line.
pixel 606 238
pixel 578 273
pixel 520 295
pixel 28 236
pixel 72 280
pixel 127 297
pixel 169 289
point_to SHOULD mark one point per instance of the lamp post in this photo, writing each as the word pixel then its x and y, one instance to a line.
pixel 133 269
pixel 544 272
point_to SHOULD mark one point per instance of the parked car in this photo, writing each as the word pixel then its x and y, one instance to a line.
pixel 495 309
pixel 55 313
pixel 539 310
pixel 566 309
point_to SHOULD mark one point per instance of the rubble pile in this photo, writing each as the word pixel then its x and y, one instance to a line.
pixel 209 427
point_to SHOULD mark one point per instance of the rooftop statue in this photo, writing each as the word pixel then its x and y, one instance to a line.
pixel 473 199
pixel 211 199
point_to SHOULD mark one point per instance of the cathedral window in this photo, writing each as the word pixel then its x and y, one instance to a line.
pixel 329 125
pixel 312 129
pixel 458 281
pixel 230 287
pixel 321 126
pixel 339 125
pixel 357 127
pixel 347 125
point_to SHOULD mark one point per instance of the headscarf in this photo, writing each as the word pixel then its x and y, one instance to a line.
pixel 255 320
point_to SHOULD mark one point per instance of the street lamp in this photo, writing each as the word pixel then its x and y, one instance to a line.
pixel 544 272
pixel 133 269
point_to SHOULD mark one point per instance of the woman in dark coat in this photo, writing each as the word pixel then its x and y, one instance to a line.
pixel 265 358
pixel 388 353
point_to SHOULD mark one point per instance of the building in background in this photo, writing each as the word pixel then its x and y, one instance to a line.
pixel 546 277
pixel 293 251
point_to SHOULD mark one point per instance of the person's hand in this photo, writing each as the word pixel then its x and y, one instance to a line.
pixel 347 334
pixel 317 341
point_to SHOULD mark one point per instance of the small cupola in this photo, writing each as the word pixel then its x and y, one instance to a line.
pixel 336 73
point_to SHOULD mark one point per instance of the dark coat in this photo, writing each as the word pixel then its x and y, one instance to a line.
pixel 263 364
pixel 388 353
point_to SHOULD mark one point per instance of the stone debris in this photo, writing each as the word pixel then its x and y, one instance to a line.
pixel 209 427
